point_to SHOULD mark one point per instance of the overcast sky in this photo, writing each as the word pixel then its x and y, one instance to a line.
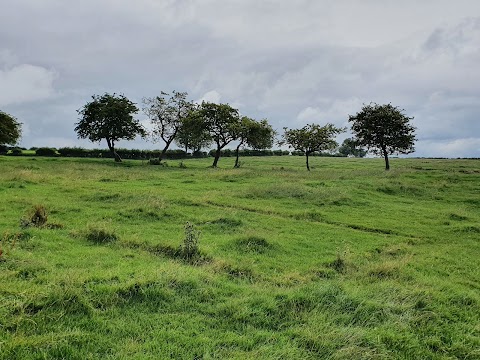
pixel 292 62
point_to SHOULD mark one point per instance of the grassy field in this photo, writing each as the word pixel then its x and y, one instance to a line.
pixel 345 262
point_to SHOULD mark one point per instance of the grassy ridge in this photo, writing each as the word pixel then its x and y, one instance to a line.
pixel 348 261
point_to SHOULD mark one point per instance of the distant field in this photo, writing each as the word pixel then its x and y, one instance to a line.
pixel 345 262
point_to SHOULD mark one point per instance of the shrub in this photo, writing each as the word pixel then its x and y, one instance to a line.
pixel 190 249
pixel 16 151
pixel 45 151
pixel 154 161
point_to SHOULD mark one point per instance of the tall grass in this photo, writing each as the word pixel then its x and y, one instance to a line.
pixel 345 262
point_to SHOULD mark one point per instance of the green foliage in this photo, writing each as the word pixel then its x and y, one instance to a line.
pixel 222 123
pixel 190 249
pixel 258 135
pixel 10 129
pixel 167 116
pixel 311 138
pixel 45 151
pixel 350 147
pixel 384 130
pixel 154 161
pixel 16 151
pixel 109 117
pixel 193 134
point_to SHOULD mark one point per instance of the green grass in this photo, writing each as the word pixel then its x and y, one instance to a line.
pixel 344 262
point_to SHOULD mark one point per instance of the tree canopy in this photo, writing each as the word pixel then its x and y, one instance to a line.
pixel 255 134
pixel 350 147
pixel 311 138
pixel 167 115
pixel 193 133
pixel 109 117
pixel 222 123
pixel 10 129
pixel 384 130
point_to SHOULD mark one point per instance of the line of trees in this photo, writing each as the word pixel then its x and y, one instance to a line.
pixel 380 129
pixel 173 118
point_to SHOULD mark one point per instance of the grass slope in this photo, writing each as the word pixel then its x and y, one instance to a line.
pixel 345 262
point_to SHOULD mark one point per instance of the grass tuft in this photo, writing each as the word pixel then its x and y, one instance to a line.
pixel 253 244
pixel 101 235
pixel 37 216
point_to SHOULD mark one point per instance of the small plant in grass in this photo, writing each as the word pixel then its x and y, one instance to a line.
pixel 190 249
pixel 37 217
pixel 182 165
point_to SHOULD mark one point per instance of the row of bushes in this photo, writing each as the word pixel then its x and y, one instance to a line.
pixel 250 152
pixel 138 154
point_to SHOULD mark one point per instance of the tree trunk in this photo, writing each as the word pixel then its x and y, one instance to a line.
pixel 117 157
pixel 387 163
pixel 164 151
pixel 217 156
pixel 237 151
pixel 308 166
pixel 111 147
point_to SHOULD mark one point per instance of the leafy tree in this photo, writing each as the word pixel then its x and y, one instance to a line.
pixel 109 117
pixel 10 129
pixel 384 130
pixel 311 138
pixel 222 123
pixel 350 147
pixel 167 116
pixel 258 135
pixel 193 133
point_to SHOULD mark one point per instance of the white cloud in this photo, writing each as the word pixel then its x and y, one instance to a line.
pixel 467 147
pixel 24 83
pixel 335 112
pixel 211 96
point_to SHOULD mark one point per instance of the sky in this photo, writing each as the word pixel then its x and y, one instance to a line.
pixel 291 62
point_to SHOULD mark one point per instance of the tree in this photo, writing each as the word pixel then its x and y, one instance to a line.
pixel 10 129
pixel 167 116
pixel 255 134
pixel 222 122
pixel 193 133
pixel 350 147
pixel 109 117
pixel 384 130
pixel 311 138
